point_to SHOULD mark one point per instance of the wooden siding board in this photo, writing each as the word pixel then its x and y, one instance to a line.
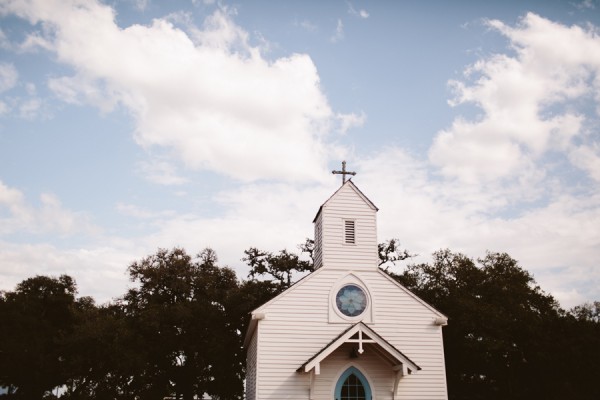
pixel 295 328
pixel 348 204
pixel 251 363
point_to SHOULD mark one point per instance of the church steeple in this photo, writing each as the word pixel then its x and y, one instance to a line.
pixel 379 333
pixel 346 230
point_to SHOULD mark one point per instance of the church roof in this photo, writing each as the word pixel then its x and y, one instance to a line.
pixel 356 189
pixel 363 335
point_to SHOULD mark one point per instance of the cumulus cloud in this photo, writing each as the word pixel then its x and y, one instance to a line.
pixel 554 241
pixel 349 121
pixel 281 212
pixel 49 217
pixel 525 101
pixel 207 94
pixel 100 271
pixel 511 168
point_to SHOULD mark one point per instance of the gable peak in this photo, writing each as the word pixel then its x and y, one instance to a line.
pixel 352 186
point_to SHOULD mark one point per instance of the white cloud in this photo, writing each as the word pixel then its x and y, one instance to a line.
pixel 553 241
pixel 81 89
pixel 339 32
pixel 268 216
pixel 518 153
pixel 30 108
pixel 4 42
pixel 588 159
pixel 49 217
pixel 141 4
pixel 349 121
pixel 357 13
pixel 307 26
pixel 556 241
pixel 525 100
pixel 271 216
pixel 161 172
pixel 132 210
pixel 208 95
pixel 585 5
pixel 8 76
pixel 100 271
pixel 206 2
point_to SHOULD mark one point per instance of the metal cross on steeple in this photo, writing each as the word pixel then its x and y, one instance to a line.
pixel 343 172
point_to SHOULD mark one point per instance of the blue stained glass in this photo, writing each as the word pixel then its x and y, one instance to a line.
pixel 351 300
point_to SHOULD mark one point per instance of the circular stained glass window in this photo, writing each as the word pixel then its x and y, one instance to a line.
pixel 351 300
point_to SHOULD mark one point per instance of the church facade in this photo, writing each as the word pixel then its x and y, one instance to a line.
pixel 347 330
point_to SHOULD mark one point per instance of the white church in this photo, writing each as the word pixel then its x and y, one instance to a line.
pixel 347 331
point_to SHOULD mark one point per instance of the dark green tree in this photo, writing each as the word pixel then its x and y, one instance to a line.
pixel 37 320
pixel 506 338
pixel 106 355
pixel 587 312
pixel 280 269
pixel 179 312
pixel 390 252
pixel 577 343
pixel 308 247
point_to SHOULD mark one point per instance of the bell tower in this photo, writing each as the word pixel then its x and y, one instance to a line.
pixel 346 230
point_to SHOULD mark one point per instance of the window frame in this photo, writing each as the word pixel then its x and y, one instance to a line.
pixel 362 379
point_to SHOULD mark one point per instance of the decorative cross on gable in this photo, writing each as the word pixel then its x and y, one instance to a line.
pixel 343 172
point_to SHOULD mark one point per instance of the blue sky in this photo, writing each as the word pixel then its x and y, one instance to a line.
pixel 126 126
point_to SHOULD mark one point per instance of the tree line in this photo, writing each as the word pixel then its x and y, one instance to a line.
pixel 178 332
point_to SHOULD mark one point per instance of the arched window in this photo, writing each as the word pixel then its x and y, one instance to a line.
pixel 352 385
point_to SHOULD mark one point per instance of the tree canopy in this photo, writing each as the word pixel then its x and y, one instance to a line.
pixel 506 337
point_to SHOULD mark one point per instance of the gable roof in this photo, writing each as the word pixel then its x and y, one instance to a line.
pixel 374 342
pixel 443 318
pixel 356 189
pixel 255 315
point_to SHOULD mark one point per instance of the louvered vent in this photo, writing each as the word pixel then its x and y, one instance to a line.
pixel 349 233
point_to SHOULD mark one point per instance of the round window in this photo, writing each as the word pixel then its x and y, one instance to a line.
pixel 351 300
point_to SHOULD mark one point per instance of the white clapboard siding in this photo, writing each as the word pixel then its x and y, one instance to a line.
pixel 347 204
pixel 251 353
pixel 378 374
pixel 296 327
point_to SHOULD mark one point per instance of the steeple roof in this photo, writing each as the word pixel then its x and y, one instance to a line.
pixel 356 189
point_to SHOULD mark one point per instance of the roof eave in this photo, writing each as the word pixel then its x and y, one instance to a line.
pixel 345 335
